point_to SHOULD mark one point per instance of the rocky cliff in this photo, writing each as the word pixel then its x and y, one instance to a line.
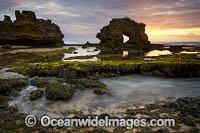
pixel 124 26
pixel 28 30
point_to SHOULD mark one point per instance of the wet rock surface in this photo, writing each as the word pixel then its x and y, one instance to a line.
pixel 10 86
pixel 40 83
pixel 28 30
pixel 59 91
pixel 34 95
pixel 98 87
pixel 81 76
pixel 185 111
pixel 113 33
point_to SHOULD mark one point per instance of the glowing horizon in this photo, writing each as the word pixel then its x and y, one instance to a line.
pixel 174 34
pixel 80 21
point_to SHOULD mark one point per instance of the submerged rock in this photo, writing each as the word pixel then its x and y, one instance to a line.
pixel 59 91
pixel 113 33
pixel 100 91
pixel 82 84
pixel 88 83
pixel 34 95
pixel 28 30
pixel 39 82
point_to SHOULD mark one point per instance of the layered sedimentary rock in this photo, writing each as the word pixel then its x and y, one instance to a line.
pixel 124 26
pixel 28 30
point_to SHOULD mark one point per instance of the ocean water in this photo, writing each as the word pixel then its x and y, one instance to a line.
pixel 178 43
pixel 81 52
pixel 153 42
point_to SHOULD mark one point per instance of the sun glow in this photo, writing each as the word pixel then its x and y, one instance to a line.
pixel 189 34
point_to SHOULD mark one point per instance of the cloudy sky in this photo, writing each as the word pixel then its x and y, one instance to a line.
pixel 80 20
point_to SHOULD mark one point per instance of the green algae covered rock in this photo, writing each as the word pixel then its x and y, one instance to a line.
pixel 7 86
pixel 59 91
pixel 41 83
pixel 36 94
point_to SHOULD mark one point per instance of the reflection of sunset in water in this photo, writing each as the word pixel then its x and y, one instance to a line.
pixel 125 53
pixel 158 53
pixel 187 52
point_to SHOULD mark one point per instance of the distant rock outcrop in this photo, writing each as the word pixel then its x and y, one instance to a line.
pixel 28 30
pixel 124 26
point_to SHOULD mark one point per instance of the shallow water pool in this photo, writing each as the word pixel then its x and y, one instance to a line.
pixel 126 90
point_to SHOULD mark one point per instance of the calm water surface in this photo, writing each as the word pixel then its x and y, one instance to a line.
pixel 133 89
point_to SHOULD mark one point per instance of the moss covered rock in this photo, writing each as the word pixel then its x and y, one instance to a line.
pixel 87 83
pixel 59 91
pixel 34 95
pixel 7 86
pixel 41 83
pixel 170 66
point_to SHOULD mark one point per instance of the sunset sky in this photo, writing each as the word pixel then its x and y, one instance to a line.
pixel 80 20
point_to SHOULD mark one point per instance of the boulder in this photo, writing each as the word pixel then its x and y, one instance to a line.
pixel 36 94
pixel 113 33
pixel 59 91
pixel 28 30
pixel 41 83
pixel 8 86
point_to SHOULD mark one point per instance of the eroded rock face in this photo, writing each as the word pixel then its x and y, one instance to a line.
pixel 124 26
pixel 28 30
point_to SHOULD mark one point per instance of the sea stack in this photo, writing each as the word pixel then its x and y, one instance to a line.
pixel 28 30
pixel 124 26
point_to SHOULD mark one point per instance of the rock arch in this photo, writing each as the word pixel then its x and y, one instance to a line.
pixel 124 26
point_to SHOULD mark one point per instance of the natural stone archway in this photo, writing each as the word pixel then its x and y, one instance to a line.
pixel 124 26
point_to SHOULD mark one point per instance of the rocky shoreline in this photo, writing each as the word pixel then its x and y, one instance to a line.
pixel 185 111
pixel 38 63
pixel 170 66
pixel 85 75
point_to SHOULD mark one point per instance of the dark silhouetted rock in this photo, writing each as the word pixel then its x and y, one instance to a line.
pixel 28 30
pixel 113 33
